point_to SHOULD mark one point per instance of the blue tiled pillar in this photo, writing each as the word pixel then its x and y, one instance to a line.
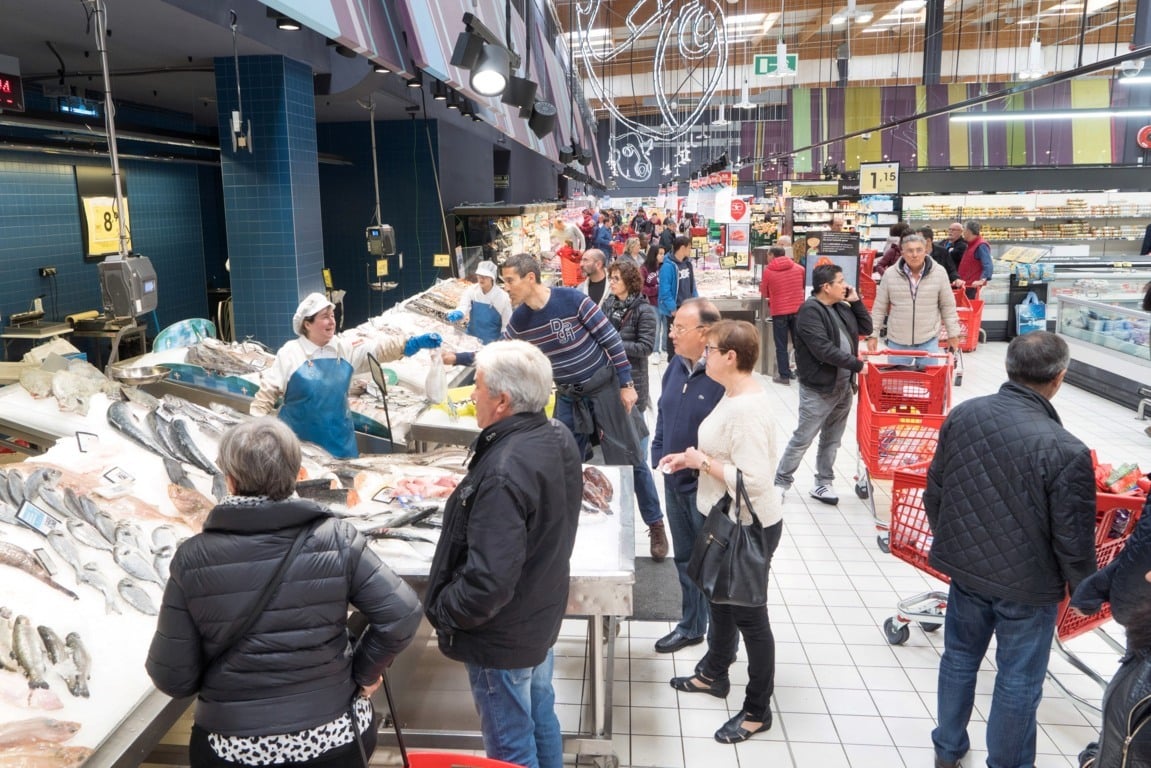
pixel 271 194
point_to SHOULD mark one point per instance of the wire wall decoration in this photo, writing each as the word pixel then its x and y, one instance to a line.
pixel 631 156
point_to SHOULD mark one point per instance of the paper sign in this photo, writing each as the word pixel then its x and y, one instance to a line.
pixel 104 225
pixel 441 260
pixel 381 267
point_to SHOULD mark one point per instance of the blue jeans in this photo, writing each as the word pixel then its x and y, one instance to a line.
pixel 783 326
pixel 820 413
pixel 1023 636
pixel 931 345
pixel 685 523
pixel 660 333
pixel 517 714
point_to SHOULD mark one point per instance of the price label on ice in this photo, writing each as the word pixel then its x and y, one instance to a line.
pixel 879 178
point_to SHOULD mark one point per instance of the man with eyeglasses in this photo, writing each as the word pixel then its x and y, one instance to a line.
pixel 826 354
pixel 676 282
pixel 686 398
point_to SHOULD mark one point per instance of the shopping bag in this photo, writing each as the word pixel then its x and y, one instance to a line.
pixel 1031 315
pixel 729 560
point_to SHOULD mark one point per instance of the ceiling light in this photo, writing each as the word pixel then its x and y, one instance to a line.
pixel 282 21
pixel 543 119
pixel 454 100
pixel 417 80
pixel 744 98
pixel 1061 114
pixel 837 20
pixel 719 120
pixel 782 66
pixel 439 91
pixel 584 157
pixel 864 17
pixel 1034 69
pixel 490 73
pixel 481 51
pixel 520 92
pixel 568 153
pixel 380 69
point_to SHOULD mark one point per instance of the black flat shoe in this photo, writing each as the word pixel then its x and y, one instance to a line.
pixel 733 731
pixel 716 688
pixel 675 641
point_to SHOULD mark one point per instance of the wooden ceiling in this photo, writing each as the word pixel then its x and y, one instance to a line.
pixel 894 33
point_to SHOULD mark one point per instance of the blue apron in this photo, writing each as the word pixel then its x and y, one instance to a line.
pixel 316 406
pixel 485 322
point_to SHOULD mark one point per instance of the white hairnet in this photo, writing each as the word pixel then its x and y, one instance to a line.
pixel 312 303
pixel 486 269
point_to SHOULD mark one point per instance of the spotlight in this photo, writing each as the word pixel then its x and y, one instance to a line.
pixel 417 80
pixel 454 100
pixel 543 119
pixel 380 69
pixel 584 157
pixel 343 50
pixel 568 153
pixel 490 74
pixel 439 91
pixel 282 21
pixel 520 92
pixel 469 45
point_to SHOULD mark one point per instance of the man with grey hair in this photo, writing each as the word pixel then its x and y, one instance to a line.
pixel 975 266
pixel 1011 501
pixel 498 585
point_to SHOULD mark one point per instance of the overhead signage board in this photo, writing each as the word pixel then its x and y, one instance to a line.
pixel 879 178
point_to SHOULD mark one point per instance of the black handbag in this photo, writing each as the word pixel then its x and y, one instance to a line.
pixel 729 560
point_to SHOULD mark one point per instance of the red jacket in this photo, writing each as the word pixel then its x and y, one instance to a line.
pixel 782 286
pixel 970 267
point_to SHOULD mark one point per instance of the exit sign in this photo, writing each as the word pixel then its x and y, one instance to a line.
pixel 768 63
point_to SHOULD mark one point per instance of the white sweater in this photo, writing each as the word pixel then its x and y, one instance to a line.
pixel 741 433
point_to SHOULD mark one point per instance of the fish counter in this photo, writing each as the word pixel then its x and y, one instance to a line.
pixel 88 528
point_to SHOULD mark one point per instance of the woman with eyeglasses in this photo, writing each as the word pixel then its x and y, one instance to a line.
pixel 737 435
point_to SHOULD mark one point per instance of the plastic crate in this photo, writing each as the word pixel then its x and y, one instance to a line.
pixel 970 312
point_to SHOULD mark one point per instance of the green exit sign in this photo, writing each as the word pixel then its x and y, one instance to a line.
pixel 768 63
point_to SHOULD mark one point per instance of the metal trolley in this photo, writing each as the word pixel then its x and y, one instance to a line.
pixel 901 409
pixel 1115 518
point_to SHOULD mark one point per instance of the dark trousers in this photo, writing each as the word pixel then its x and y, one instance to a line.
pixel 728 624
pixel 201 754
pixel 783 326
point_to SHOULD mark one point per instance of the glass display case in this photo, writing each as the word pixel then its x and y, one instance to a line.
pixel 1124 330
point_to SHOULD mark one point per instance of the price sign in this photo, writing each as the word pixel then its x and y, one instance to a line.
pixel 441 260
pixel 879 178
pixel 104 225
pixel 381 267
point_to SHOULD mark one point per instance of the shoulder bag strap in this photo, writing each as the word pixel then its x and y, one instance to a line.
pixel 261 602
pixel 741 496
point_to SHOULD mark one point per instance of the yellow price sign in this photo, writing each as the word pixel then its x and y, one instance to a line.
pixel 879 178
pixel 727 262
pixel 381 267
pixel 104 225
pixel 442 260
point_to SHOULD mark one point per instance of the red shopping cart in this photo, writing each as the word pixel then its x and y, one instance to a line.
pixel 867 285
pixel 970 313
pixel 901 409
pixel 911 538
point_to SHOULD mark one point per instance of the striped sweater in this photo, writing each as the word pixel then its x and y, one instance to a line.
pixel 573 332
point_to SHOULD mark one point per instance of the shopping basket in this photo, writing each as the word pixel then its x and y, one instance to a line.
pixel 970 313
pixel 911 539
pixel 867 286
pixel 901 409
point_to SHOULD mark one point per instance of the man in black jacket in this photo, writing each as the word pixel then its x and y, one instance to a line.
pixel 826 355
pixel 1011 501
pixel 498 584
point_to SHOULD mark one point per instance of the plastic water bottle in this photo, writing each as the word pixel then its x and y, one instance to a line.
pixel 1119 525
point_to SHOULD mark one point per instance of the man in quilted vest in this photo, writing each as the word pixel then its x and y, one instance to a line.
pixel 1011 501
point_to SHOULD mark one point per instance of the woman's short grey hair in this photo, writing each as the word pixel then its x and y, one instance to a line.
pixel 262 457
pixel 519 370
pixel 1036 358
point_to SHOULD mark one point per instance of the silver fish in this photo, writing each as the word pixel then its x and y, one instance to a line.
pixel 163 562
pixel 219 486
pixel 163 536
pixel 21 559
pixel 15 487
pixel 121 418
pixel 55 501
pixel 94 578
pixel 65 548
pixel 7 660
pixel 162 429
pixel 187 447
pixel 89 509
pixel 135 596
pixel 141 398
pixel 135 565
pixel 127 532
pixel 228 413
pixel 53 643
pixel 8 514
pixel 43 477
pixel 106 525
pixel 177 474
pixel 4 496
pixel 72 501
pixel 27 649
pixel 88 536
pixel 78 685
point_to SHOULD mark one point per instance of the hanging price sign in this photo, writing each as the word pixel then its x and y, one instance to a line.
pixel 104 225
pixel 879 178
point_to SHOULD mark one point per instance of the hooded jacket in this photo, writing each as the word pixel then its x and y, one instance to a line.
pixel 913 314
pixel 1011 499
pixel 782 286
pixel 498 585
pixel 294 668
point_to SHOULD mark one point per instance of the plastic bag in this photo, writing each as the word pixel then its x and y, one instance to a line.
pixel 436 385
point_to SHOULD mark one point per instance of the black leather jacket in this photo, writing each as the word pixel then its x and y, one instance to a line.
pixel 293 670
pixel 1125 741
pixel 1011 499
pixel 498 585
pixel 818 356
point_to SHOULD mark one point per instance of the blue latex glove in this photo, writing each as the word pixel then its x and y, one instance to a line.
pixel 455 316
pixel 426 341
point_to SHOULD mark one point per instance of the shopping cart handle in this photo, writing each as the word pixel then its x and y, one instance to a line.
pixel 889 352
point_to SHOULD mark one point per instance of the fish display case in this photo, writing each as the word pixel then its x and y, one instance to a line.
pixel 1110 346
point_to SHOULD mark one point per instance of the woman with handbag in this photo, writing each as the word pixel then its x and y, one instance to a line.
pixel 254 619
pixel 736 453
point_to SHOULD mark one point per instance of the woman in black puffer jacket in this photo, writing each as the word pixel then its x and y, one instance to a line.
pixel 630 313
pixel 284 692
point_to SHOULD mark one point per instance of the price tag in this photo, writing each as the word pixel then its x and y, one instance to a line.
pixel 879 178
pixel 103 225
pixel 442 260
pixel 381 267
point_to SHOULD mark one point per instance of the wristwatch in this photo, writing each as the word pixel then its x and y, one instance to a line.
pixel 629 385
pixel 705 466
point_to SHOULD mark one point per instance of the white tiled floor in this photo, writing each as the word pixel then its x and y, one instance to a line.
pixel 844 696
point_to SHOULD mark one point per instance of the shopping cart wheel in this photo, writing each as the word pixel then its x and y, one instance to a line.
pixel 884 544
pixel 862 487
pixel 895 632
pixel 929 626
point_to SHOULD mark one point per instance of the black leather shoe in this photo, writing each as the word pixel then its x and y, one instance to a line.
pixel 733 731
pixel 941 763
pixel 674 641
pixel 716 688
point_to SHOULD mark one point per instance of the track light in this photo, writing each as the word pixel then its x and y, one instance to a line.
pixel 343 50
pixel 380 69
pixel 543 119
pixel 568 153
pixel 454 100
pixel 481 51
pixel 282 21
pixel 520 92
pixel 439 90
pixel 584 157
pixel 490 74
pixel 417 80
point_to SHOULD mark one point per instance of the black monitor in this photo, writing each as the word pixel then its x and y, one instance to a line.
pixel 128 286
